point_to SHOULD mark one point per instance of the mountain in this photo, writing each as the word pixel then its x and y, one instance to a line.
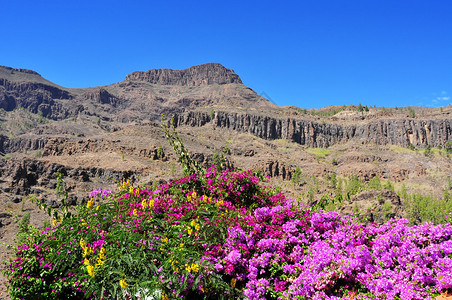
pixel 142 95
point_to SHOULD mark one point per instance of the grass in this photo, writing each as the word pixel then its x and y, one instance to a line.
pixel 283 143
pixel 434 151
pixel 318 152
pixel 399 149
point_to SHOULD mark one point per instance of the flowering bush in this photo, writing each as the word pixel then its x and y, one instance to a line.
pixel 226 235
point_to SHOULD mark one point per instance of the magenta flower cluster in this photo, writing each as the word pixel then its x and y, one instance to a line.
pixel 326 256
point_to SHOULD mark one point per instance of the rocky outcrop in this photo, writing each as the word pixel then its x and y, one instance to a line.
pixel 211 73
pixel 102 96
pixel 63 146
pixel 13 70
pixel 274 168
pixel 21 144
pixel 401 132
pixel 36 97
pixel 22 177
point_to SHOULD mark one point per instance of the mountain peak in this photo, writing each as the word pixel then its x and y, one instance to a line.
pixel 13 70
pixel 200 75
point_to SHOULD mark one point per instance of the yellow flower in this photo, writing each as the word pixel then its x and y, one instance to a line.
pixel 123 283
pixel 205 198
pixel 90 203
pixel 144 204
pixel 188 268
pixel 197 227
pixel 82 243
pixel 131 190
pixel 124 185
pixel 173 266
pixel 87 252
pixel 192 267
pixel 219 202
pixel 99 262
pixel 195 268
pixel 192 223
pixel 194 195
pixel 135 212
pixel 97 207
pixel 101 257
pixel 90 269
pixel 164 296
pixel 151 203
pixel 54 222
pixel 190 230
pixel 165 240
pixel 86 262
pixel 233 282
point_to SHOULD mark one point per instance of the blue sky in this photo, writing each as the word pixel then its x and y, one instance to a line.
pixel 303 53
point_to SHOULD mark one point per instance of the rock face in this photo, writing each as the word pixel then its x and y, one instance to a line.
pixel 102 96
pixel 274 168
pixel 142 96
pixel 401 132
pixel 22 177
pixel 20 144
pixel 34 96
pixel 13 70
pixel 211 73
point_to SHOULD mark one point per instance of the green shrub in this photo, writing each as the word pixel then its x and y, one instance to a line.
pixel 388 185
pixel 354 186
pixel 24 222
pixel 297 176
pixel 160 152
pixel 375 184
pixel 387 210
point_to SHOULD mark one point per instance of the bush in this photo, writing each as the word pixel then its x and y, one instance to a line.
pixel 24 222
pixel 448 147
pixel 224 235
pixel 374 183
pixel 354 186
pixel 297 176
pixel 388 185
pixel 160 152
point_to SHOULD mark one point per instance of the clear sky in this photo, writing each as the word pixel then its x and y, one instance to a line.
pixel 305 53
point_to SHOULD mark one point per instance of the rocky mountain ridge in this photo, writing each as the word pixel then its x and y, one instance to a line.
pixel 142 95
pixel 210 73
pixel 400 132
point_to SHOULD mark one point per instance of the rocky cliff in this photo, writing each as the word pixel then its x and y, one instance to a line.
pixel 35 97
pixel 211 73
pixel 401 132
